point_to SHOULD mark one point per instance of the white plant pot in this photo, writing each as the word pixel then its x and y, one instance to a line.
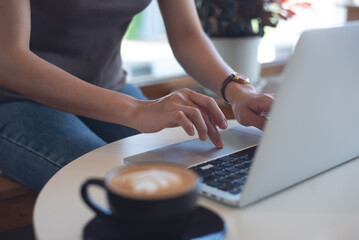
pixel 241 54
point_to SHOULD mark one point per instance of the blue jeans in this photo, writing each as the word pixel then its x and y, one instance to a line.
pixel 36 140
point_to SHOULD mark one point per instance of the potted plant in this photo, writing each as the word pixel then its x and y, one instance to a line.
pixel 236 26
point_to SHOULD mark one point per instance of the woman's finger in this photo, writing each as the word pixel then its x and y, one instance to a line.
pixel 195 116
pixel 194 112
pixel 211 106
pixel 213 132
pixel 250 118
pixel 261 104
pixel 178 118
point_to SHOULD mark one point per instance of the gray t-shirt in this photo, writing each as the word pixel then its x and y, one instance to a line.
pixel 83 37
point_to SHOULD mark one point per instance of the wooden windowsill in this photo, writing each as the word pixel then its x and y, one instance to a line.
pixel 352 12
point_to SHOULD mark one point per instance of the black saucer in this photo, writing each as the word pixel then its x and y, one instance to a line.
pixel 205 224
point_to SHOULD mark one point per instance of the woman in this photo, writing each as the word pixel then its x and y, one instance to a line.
pixel 63 91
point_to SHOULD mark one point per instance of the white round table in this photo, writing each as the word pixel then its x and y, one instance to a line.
pixel 324 207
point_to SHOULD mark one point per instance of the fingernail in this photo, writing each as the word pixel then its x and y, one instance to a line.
pixel 192 132
pixel 220 143
pixel 223 124
pixel 204 138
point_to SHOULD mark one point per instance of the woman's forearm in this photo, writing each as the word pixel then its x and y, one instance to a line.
pixel 24 72
pixel 192 47
pixel 200 59
pixel 40 81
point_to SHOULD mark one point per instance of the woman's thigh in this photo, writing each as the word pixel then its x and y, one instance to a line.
pixel 36 141
pixel 110 132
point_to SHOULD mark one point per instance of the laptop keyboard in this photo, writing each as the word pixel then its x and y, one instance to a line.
pixel 227 173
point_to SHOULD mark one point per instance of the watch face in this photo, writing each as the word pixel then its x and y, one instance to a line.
pixel 241 78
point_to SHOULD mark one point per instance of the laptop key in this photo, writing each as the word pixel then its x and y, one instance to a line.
pixel 233 169
pixel 204 173
pixel 240 155
pixel 207 166
pixel 226 164
pixel 239 165
pixel 225 158
pixel 213 183
pixel 244 171
pixel 230 178
pixel 211 177
pixel 238 175
pixel 234 160
pixel 245 157
pixel 223 180
pixel 237 161
pixel 217 168
pixel 239 181
pixel 221 173
pixel 216 162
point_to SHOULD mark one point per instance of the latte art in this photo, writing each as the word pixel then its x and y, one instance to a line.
pixel 152 181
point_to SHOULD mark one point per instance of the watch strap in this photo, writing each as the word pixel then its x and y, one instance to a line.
pixel 234 77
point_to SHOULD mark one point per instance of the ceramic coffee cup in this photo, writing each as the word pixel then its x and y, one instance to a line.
pixel 147 201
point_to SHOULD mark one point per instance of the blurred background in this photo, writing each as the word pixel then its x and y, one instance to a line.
pixel 148 58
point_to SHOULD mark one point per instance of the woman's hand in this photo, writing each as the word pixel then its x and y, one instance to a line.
pixel 249 108
pixel 183 108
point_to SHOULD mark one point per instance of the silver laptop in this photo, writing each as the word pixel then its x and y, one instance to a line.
pixel 313 126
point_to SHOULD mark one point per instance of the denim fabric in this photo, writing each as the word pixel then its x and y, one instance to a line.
pixel 36 140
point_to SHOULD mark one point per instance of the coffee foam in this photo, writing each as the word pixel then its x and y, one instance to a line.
pixel 152 181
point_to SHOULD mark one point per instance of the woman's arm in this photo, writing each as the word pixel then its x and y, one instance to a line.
pixel 191 46
pixel 24 72
pixel 200 59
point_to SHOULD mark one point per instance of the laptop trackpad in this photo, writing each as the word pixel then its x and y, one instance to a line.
pixel 194 151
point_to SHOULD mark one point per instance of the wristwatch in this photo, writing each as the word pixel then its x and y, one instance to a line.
pixel 234 77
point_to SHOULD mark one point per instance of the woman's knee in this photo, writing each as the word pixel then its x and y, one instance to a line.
pixel 37 141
